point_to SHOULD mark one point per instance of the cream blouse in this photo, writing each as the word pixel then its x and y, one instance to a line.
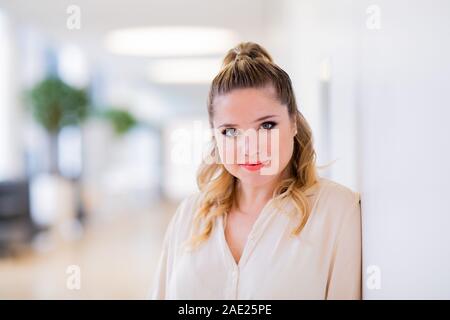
pixel 322 262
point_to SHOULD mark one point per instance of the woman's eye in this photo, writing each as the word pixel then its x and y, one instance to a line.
pixel 230 132
pixel 268 125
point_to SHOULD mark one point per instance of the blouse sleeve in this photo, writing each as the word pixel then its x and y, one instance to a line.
pixel 345 278
pixel 161 277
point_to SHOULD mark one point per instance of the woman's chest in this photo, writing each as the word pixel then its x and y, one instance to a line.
pixel 237 229
pixel 274 266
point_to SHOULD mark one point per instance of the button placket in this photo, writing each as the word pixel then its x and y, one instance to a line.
pixel 255 233
pixel 234 282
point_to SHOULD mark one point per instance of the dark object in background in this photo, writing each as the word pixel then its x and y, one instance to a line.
pixel 16 225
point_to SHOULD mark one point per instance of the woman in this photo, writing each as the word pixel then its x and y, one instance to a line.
pixel 264 225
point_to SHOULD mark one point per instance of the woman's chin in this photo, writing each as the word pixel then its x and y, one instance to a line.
pixel 255 178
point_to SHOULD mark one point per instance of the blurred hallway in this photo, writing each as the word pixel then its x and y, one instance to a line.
pixel 121 273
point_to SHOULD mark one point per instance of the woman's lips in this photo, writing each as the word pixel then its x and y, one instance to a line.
pixel 252 166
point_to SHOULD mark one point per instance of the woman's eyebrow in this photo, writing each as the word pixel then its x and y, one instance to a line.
pixel 265 117
pixel 257 120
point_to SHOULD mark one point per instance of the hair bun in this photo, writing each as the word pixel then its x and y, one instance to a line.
pixel 247 50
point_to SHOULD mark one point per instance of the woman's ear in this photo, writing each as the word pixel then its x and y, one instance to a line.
pixel 294 123
pixel 294 128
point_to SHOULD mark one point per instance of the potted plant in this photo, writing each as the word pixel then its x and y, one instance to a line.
pixel 121 120
pixel 54 105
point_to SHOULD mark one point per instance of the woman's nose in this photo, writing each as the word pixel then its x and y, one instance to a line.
pixel 248 145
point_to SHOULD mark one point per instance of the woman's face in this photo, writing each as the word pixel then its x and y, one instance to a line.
pixel 254 134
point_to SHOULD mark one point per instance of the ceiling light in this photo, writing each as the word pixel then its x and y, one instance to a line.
pixel 170 41
pixel 183 71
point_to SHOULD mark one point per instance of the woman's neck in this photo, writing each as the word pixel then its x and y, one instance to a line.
pixel 250 199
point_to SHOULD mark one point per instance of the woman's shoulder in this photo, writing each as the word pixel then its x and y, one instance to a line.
pixel 188 204
pixel 337 194
pixel 335 203
pixel 186 208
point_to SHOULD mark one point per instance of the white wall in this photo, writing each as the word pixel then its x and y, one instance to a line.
pixel 387 125
pixel 405 108
pixel 310 38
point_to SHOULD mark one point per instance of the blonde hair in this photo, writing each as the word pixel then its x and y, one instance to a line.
pixel 248 65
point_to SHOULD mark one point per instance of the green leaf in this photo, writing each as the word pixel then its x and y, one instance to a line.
pixel 55 104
